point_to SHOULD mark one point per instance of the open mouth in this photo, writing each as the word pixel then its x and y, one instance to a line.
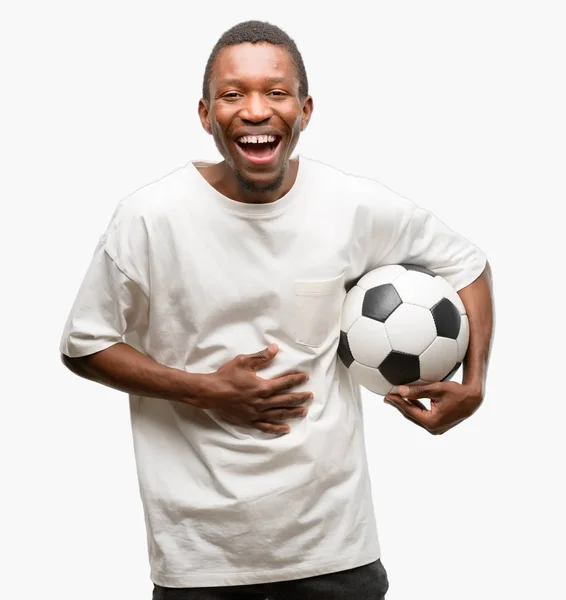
pixel 260 149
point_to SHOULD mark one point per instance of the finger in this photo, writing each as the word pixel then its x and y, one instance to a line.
pixel 287 373
pixel 414 392
pixel 271 428
pixel 286 383
pixel 282 414
pixel 261 359
pixel 416 403
pixel 411 412
pixel 285 401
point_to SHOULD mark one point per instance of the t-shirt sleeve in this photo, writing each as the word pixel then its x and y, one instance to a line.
pixel 407 233
pixel 108 305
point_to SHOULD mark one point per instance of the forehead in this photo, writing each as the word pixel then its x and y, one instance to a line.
pixel 253 63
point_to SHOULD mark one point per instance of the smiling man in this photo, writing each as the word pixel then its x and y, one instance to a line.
pixel 214 298
pixel 255 105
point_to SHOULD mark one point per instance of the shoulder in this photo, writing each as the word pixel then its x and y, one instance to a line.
pixel 148 202
pixel 355 188
pixel 153 197
pixel 132 217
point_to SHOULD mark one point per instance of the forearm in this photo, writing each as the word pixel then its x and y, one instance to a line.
pixel 123 368
pixel 478 300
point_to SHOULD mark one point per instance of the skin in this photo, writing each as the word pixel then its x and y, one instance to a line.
pixel 254 87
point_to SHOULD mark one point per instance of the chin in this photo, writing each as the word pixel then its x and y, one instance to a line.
pixel 260 186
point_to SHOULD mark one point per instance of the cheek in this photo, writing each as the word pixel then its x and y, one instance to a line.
pixel 294 118
pixel 218 132
pixel 219 121
pixel 297 125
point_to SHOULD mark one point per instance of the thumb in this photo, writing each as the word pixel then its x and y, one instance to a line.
pixel 263 357
pixel 414 392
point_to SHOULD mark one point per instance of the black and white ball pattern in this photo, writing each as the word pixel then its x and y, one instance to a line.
pixel 402 324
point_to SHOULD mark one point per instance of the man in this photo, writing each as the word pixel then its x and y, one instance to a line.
pixel 213 299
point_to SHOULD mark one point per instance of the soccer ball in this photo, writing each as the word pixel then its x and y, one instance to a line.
pixel 402 324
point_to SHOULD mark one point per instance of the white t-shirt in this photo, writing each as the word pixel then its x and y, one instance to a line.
pixel 192 278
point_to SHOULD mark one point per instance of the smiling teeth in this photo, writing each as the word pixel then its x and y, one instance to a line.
pixel 256 139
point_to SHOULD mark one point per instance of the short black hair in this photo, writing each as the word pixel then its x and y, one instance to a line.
pixel 255 32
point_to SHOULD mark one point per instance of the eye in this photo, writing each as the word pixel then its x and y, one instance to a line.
pixel 230 95
pixel 278 93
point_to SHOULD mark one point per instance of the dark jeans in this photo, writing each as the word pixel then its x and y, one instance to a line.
pixel 368 582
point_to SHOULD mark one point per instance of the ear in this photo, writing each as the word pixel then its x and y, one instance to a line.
pixel 204 114
pixel 308 107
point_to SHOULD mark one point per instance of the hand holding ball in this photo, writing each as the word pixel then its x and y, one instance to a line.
pixel 402 325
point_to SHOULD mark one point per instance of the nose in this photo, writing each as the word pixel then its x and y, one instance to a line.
pixel 256 108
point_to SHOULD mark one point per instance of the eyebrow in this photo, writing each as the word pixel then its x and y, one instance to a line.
pixel 236 81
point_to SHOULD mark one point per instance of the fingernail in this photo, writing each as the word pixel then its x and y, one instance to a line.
pixel 403 390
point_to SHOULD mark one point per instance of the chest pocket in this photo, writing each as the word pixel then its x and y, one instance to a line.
pixel 317 305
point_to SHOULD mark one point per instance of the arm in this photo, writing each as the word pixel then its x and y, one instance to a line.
pixel 452 402
pixel 108 305
pixel 125 369
pixel 403 232
pixel 114 299
pixel 234 391
pixel 478 301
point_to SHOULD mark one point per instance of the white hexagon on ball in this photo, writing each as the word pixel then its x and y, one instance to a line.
pixel 368 342
pixel 352 308
pixel 438 359
pixel 380 276
pixel 371 379
pixel 419 288
pixel 463 338
pixel 410 329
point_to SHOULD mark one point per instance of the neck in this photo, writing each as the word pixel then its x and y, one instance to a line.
pixel 223 178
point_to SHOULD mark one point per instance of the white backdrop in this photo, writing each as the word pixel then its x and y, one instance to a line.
pixel 456 105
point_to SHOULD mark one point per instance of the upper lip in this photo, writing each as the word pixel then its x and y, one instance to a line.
pixel 257 131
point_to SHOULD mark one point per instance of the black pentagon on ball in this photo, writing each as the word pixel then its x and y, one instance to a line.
pixel 447 319
pixel 400 368
pixel 418 268
pixel 379 302
pixel 344 351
